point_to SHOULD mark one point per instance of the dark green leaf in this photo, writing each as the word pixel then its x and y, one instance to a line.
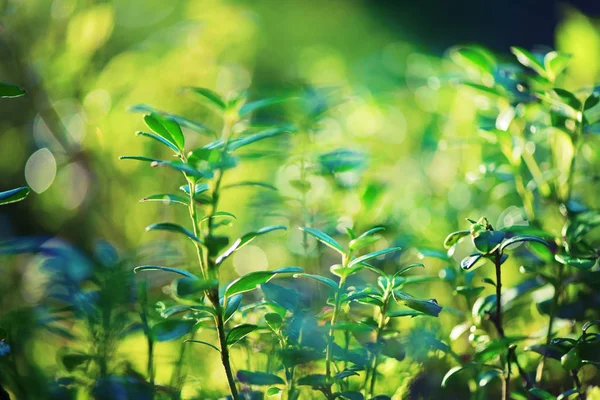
pixel 249 183
pixel 252 280
pixel 468 262
pixel 488 241
pixel 255 105
pixel 454 237
pixel 170 227
pixel 259 378
pixel 233 303
pixel 186 287
pixel 255 137
pixel 274 321
pixel 210 95
pixel 160 139
pixel 487 376
pixel 429 307
pixel 171 329
pixel 369 256
pixel 315 380
pixel 8 90
pixel 239 332
pixel 541 394
pixel 529 60
pixel 166 269
pixel 326 281
pixel 14 195
pixel 580 263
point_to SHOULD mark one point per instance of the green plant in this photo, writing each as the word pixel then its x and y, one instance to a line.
pixel 203 170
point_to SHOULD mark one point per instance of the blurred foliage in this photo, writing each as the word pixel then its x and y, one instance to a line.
pixel 382 134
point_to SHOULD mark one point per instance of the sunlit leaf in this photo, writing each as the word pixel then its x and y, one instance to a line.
pixel 454 237
pixel 213 97
pixel 8 90
pixel 171 227
pixel 14 195
pixel 375 254
pixel 171 329
pixel 252 280
pixel 244 240
pixel 167 199
pixel 239 332
pixel 259 378
pixel 165 269
pixel 324 238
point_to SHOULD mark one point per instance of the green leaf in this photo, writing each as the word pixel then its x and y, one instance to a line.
pixel 252 280
pixel 255 105
pixel 233 303
pixel 190 287
pixel 259 378
pixel 167 129
pixel 488 241
pixel 519 239
pixel 429 307
pixel 470 291
pixel 454 237
pixel 272 391
pixel 169 312
pixel 171 329
pixel 349 395
pixel 474 57
pixel 565 395
pixel 451 372
pixel 212 346
pixel 314 380
pixel 199 188
pixel 580 263
pixel 239 332
pixel 375 254
pixel 176 165
pixel 246 140
pixel 324 238
pixel 365 239
pixel 159 139
pixel 182 121
pixel 210 95
pixel 71 361
pixel 404 313
pixel 345 374
pixel 171 227
pixel 250 183
pixel 555 63
pixel 219 214
pixel 8 90
pixel 406 269
pixel 165 269
pixel 274 321
pixel 14 195
pixel 468 262
pixel 326 281
pixel 487 376
pixel 244 240
pixel 589 324
pixel 166 199
pixel 529 60
pixel 541 394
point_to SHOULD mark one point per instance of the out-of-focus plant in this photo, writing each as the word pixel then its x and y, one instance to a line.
pixel 536 131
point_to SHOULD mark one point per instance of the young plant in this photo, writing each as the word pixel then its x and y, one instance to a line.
pixel 491 245
pixel 389 287
pixel 202 294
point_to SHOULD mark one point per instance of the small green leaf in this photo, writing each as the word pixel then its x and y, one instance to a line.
pixel 454 238
pixel 190 287
pixel 252 280
pixel 250 183
pixel 487 376
pixel 555 63
pixel 233 303
pixel 182 121
pixel 274 321
pixel 259 378
pixel 166 199
pixel 451 372
pixel 324 238
pixel 8 90
pixel 429 307
pixel 404 313
pixel 406 269
pixel 166 269
pixel 541 394
pixel 239 332
pixel 255 105
pixel 171 329
pixel 519 239
pixel 218 214
pixel 159 139
pixel 580 263
pixel 14 195
pixel 326 281
pixel 470 291
pixel 212 346
pixel 170 227
pixel 375 254
pixel 244 240
pixel 176 165
pixel 365 239
pixel 314 380
pixel 246 140
pixel 474 57
pixel 210 95
pixel 529 60
pixel 488 241
pixel 468 262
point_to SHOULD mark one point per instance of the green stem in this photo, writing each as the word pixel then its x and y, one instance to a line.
pixel 553 310
pixel 577 384
pixel 380 327
pixel 334 318
pixel 498 318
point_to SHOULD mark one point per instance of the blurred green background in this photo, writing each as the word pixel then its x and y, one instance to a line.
pixel 85 63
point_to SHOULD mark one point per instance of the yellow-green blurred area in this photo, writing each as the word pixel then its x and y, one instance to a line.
pixel 85 63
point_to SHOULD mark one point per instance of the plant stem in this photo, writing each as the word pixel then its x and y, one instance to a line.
pixel 334 317
pixel 380 327
pixel 498 318
pixel 214 298
pixel 554 308
pixel 577 383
